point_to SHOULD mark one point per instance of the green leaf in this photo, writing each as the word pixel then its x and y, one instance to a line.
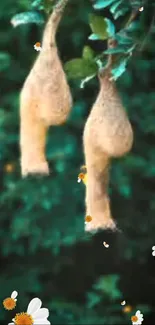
pixel 100 63
pixel 80 68
pixel 109 285
pixel 48 5
pixel 101 4
pixel 94 37
pixel 110 27
pixel 27 18
pixel 120 12
pixel 5 60
pixel 125 190
pixel 114 7
pixel 134 26
pixel 123 39
pixel 93 299
pixel 38 4
pixel 88 53
pixel 99 26
pixel 87 79
pixel 120 49
pixel 119 68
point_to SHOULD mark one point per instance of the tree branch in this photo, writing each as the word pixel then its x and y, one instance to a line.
pixel 112 43
pixel 52 24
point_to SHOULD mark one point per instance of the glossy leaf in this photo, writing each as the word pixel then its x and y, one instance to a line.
pixel 88 53
pixel 123 38
pixel 101 4
pixel 87 79
pixel 120 49
pixel 120 12
pixel 94 37
pixel 114 6
pixel 27 18
pixel 99 26
pixel 80 68
pixel 37 4
pixel 119 69
pixel 110 27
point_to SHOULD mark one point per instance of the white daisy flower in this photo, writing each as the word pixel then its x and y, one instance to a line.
pixel 35 314
pixel 153 249
pixel 10 302
pixel 37 46
pixel 137 319
pixel 80 177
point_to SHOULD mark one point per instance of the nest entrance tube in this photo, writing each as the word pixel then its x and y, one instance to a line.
pixel 97 199
pixel 107 134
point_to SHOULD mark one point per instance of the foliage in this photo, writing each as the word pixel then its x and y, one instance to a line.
pixel 44 250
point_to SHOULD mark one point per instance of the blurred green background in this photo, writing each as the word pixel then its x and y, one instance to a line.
pixel 44 251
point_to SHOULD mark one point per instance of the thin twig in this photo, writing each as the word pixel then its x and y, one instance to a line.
pixel 52 24
pixel 149 31
pixel 111 43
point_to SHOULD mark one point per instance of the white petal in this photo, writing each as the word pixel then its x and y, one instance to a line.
pixel 153 247
pixel 41 313
pixel 153 253
pixel 34 305
pixel 14 294
pixel 11 324
pixel 40 321
pixel 138 312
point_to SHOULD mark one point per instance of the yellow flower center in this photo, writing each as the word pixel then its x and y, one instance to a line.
pixel 23 319
pixel 37 44
pixel 134 318
pixel 88 218
pixel 9 303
